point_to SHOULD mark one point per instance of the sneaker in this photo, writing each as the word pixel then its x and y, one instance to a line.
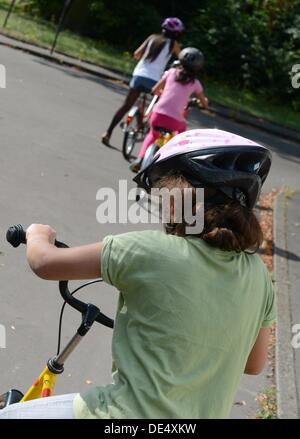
pixel 105 139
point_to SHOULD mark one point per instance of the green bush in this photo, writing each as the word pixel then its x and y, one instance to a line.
pixel 251 44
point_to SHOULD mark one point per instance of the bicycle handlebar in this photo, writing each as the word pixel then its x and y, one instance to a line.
pixel 16 235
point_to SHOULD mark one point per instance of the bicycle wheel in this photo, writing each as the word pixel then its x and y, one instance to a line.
pixel 129 142
pixel 131 137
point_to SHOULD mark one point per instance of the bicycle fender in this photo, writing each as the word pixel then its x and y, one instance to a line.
pixel 149 156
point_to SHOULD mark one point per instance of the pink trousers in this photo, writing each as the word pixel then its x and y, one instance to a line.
pixel 160 120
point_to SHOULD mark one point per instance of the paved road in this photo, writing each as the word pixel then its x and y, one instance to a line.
pixel 52 165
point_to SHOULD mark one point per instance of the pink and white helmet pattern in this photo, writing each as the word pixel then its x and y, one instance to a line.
pixel 195 140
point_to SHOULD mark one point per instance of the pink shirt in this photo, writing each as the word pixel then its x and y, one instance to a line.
pixel 175 95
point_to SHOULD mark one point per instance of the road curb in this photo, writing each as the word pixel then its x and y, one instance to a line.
pixel 113 74
pixel 287 407
pixel 63 59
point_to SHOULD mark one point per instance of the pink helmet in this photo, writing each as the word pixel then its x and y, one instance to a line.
pixel 173 25
pixel 237 167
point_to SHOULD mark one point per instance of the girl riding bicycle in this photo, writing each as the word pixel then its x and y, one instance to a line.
pixel 176 86
pixel 153 56
pixel 194 311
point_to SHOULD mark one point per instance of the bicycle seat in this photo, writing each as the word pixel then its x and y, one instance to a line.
pixel 162 130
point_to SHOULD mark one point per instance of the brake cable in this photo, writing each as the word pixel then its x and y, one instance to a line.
pixel 63 308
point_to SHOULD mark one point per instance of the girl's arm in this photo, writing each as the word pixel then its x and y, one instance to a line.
pixel 259 353
pixel 52 263
pixel 159 86
pixel 140 50
pixel 176 49
pixel 203 100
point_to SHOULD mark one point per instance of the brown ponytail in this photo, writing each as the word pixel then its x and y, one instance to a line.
pixel 227 226
pixel 231 226
pixel 185 76
pixel 157 43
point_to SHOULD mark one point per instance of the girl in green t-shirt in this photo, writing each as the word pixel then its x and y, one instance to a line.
pixel 194 309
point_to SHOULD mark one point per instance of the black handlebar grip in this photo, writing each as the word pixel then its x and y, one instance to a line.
pixel 16 235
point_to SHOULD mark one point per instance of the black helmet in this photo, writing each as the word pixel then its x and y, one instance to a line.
pixel 191 59
pixel 209 158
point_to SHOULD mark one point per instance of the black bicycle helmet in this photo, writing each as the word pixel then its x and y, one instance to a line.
pixel 210 158
pixel 191 59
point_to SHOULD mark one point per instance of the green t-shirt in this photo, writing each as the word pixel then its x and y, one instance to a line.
pixel 187 318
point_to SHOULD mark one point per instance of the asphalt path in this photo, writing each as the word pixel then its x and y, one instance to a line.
pixel 52 165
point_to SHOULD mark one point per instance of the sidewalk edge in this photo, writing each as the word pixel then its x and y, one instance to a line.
pixel 285 366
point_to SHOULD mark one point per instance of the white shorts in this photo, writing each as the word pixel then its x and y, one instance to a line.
pixel 53 407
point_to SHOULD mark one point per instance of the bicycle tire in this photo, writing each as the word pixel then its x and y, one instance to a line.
pixel 129 141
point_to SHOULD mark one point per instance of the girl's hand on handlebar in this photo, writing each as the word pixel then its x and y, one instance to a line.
pixel 203 103
pixel 52 263
pixel 202 100
pixel 41 232
pixel 156 92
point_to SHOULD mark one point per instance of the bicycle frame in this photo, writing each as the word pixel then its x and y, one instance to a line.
pixel 138 111
pixel 141 108
pixel 44 385
pixel 150 106
pixel 164 138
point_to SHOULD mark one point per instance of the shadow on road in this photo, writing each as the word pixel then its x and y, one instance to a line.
pixel 286 254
